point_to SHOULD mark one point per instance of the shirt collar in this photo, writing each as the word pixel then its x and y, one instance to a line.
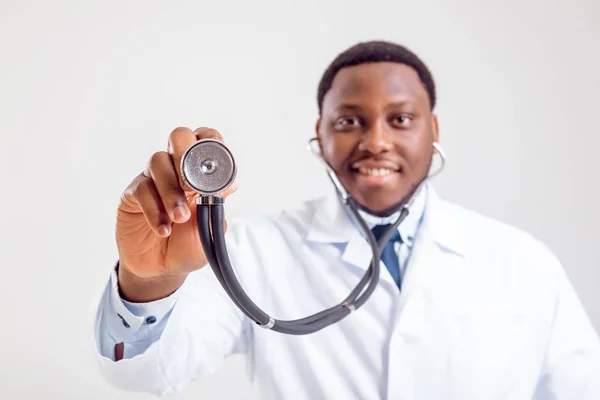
pixel 407 228
pixel 332 224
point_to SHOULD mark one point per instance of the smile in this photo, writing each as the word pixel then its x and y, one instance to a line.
pixel 375 171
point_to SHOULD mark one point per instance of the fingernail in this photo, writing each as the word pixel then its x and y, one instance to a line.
pixel 180 212
pixel 163 230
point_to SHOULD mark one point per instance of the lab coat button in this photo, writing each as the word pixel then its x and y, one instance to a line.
pixel 151 319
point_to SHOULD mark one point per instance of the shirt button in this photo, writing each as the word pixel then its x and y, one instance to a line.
pixel 151 319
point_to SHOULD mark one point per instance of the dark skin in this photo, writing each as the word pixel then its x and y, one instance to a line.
pixel 377 130
pixel 386 123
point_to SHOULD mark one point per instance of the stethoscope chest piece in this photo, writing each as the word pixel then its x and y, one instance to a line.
pixel 208 167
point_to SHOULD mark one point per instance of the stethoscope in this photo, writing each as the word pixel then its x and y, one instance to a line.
pixel 209 168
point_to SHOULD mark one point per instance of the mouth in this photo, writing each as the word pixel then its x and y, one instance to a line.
pixel 375 168
pixel 375 173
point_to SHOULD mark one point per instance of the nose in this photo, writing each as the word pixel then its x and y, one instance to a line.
pixel 376 140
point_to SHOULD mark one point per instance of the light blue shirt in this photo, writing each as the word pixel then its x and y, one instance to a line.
pixel 486 312
pixel 408 229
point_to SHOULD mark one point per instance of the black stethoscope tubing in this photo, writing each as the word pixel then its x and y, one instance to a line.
pixel 210 221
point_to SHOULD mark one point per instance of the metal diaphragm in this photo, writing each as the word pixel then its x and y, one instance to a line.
pixel 208 167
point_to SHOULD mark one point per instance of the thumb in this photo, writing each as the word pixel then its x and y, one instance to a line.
pixel 231 189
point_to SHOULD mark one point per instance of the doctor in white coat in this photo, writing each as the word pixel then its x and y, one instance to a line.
pixel 466 307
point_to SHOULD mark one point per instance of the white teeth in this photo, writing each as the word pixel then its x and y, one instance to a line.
pixel 375 171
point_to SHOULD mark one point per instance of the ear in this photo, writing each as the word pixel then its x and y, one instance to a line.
pixel 318 133
pixel 318 128
pixel 435 129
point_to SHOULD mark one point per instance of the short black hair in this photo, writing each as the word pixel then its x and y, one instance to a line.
pixel 373 52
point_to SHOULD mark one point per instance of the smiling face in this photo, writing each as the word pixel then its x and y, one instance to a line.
pixel 377 131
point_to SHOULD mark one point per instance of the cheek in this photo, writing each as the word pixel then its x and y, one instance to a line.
pixel 421 153
pixel 417 152
pixel 336 151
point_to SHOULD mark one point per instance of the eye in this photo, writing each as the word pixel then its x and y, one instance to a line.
pixel 346 123
pixel 402 120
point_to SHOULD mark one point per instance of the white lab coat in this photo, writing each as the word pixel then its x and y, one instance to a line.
pixel 485 312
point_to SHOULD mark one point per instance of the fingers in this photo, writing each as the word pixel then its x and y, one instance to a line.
pixel 231 189
pixel 148 199
pixel 163 173
pixel 208 133
pixel 179 141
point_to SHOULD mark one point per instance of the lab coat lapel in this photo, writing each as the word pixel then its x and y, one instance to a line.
pixel 439 248
pixel 440 232
pixel 357 251
pixel 331 223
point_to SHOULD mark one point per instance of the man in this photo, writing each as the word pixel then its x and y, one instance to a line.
pixel 466 307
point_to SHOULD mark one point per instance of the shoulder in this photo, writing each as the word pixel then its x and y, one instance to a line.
pixel 489 237
pixel 501 261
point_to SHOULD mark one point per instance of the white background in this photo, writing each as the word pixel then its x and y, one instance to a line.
pixel 90 89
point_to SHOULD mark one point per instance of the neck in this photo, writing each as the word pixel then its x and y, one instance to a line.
pixel 412 193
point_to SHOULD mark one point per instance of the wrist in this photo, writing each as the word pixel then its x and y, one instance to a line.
pixel 134 289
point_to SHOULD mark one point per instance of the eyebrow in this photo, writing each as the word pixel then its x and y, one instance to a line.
pixel 358 107
pixel 401 103
pixel 349 107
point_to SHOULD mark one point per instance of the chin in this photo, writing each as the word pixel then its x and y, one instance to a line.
pixel 380 208
pixel 383 202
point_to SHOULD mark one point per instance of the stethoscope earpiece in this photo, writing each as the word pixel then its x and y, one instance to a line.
pixel 442 153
